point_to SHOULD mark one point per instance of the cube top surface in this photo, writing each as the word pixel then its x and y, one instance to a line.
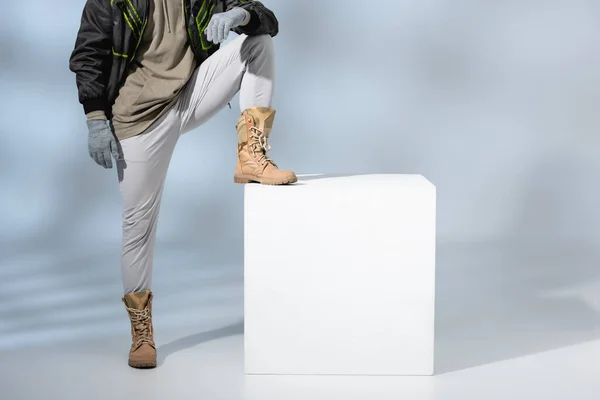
pixel 366 181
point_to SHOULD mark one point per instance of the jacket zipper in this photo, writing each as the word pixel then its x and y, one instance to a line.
pixel 142 31
pixel 188 27
pixel 187 24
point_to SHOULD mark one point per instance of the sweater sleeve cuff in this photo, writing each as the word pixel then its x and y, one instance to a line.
pixel 93 105
pixel 97 115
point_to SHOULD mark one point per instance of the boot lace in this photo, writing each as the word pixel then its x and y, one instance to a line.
pixel 142 326
pixel 260 146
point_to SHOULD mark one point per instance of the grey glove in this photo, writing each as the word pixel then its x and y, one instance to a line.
pixel 220 24
pixel 102 143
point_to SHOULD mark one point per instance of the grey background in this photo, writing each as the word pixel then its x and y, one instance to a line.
pixel 495 102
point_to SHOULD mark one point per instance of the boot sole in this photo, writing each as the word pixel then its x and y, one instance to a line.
pixel 253 179
pixel 142 365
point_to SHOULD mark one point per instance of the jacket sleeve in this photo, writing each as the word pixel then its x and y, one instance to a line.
pixel 262 21
pixel 91 58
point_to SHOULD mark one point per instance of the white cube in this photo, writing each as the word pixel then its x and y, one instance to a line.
pixel 340 276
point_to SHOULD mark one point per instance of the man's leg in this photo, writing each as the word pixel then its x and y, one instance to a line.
pixel 142 173
pixel 247 65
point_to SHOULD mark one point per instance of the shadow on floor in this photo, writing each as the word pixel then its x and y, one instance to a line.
pixel 188 342
pixel 502 301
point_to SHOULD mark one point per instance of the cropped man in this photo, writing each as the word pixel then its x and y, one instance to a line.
pixel 148 71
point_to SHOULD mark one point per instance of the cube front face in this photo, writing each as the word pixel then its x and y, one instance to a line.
pixel 340 277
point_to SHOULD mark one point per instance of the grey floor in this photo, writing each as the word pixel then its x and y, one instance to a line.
pixel 513 320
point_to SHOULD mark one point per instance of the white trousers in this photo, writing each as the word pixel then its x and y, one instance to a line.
pixel 246 65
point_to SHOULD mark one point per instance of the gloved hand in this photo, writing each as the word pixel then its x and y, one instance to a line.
pixel 101 142
pixel 220 24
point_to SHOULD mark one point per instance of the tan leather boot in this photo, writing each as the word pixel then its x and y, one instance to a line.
pixel 143 350
pixel 254 127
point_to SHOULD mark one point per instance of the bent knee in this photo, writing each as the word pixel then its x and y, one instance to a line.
pixel 258 44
